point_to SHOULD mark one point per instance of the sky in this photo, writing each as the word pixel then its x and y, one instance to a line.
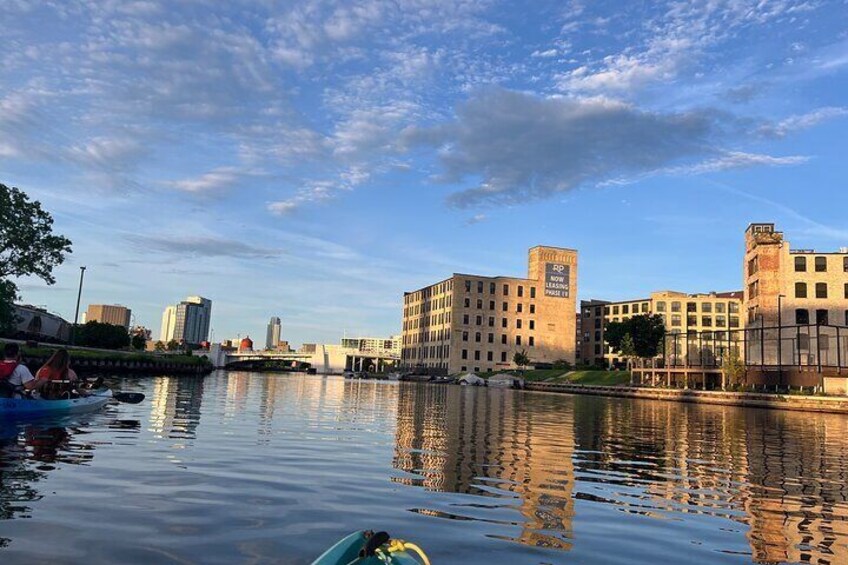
pixel 313 160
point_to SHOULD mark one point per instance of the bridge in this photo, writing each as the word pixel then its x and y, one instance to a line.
pixel 325 359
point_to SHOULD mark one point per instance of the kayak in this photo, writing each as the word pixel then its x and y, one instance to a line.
pixel 34 408
pixel 368 548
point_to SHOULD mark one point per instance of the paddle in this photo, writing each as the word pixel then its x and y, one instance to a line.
pixel 128 397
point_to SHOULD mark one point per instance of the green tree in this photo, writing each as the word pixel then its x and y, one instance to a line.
pixel 646 332
pixel 28 247
pixel 104 336
pixel 520 359
pixel 733 370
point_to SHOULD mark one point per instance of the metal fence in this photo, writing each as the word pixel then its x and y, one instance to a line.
pixel 813 346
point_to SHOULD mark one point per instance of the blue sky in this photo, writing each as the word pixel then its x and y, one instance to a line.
pixel 314 159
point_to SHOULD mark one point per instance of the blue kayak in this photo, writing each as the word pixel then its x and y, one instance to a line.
pixel 36 408
pixel 368 548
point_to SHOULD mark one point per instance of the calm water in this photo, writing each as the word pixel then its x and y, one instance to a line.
pixel 250 468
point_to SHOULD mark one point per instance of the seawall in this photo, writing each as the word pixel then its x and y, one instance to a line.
pixel 838 405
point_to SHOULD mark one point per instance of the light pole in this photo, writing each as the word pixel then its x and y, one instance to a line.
pixel 76 313
pixel 780 338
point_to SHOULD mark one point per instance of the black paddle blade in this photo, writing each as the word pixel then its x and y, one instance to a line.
pixel 128 397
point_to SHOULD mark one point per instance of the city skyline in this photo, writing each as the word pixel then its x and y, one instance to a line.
pixel 332 157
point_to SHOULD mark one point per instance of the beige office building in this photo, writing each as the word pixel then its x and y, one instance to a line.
pixel 108 314
pixel 709 315
pixel 478 323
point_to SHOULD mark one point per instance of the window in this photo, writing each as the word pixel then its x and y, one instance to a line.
pixel 520 290
pixel 465 319
pixel 478 336
pixel 531 342
pixel 506 290
pixel 800 290
pixel 532 308
pixel 465 354
pixel 491 338
pixel 467 303
pixel 503 322
pixel 802 316
pixel 533 288
pixel 519 308
pixel 476 355
pixel 800 264
pixel 821 318
pixel 532 324
pixel 518 324
pixel 518 340
pixel 821 264
pixel 660 306
pixel 821 290
pixel 464 336
pixel 479 286
pixel 503 339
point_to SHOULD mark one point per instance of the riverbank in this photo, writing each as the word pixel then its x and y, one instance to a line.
pixel 90 361
pixel 830 404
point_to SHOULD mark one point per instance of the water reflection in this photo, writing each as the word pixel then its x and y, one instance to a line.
pixel 780 475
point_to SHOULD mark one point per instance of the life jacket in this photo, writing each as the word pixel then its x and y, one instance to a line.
pixel 51 374
pixel 7 368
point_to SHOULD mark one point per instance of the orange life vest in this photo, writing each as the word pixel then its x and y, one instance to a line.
pixel 7 368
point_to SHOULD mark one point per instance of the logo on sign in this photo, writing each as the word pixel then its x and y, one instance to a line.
pixel 557 282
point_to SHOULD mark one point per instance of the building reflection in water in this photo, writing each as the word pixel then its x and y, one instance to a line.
pixel 175 404
pixel 782 476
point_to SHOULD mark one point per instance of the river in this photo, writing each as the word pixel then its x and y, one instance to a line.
pixel 262 468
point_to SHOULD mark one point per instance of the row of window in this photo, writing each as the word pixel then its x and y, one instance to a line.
pixel 504 306
pixel 493 288
pixel 478 337
pixel 802 317
pixel 490 356
pixel 820 264
pixel 821 290
pixel 466 320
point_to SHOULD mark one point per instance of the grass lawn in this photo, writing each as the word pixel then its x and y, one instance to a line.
pixel 601 378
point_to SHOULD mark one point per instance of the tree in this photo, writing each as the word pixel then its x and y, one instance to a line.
pixel 28 247
pixel 520 359
pixel 646 332
pixel 732 368
pixel 105 336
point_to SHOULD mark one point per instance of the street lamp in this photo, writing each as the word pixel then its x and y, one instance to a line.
pixel 76 313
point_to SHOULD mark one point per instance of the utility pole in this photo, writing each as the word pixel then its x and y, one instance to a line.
pixel 76 313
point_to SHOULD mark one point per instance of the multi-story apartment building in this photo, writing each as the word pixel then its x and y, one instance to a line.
pixel 114 314
pixel 801 291
pixel 478 323
pixel 706 314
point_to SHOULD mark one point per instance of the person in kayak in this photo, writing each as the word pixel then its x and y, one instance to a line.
pixel 15 377
pixel 55 378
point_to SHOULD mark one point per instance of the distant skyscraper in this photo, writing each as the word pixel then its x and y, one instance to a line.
pixel 169 319
pixel 188 321
pixel 275 329
pixel 108 314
